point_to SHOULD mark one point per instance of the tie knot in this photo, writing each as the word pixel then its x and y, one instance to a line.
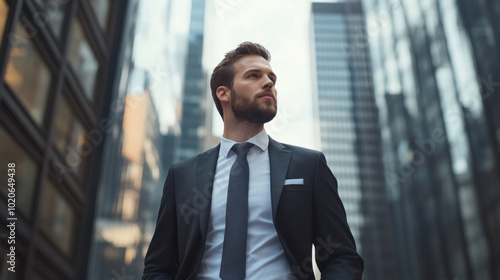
pixel 242 148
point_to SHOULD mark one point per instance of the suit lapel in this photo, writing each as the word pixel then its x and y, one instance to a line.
pixel 279 159
pixel 205 174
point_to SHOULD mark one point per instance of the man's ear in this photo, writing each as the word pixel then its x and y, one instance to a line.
pixel 223 93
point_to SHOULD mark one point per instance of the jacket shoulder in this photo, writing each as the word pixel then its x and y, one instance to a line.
pixel 303 150
pixel 297 152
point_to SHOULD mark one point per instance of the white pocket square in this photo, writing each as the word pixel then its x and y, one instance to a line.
pixel 294 181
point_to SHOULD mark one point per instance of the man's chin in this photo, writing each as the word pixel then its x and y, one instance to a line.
pixel 269 102
pixel 269 108
pixel 255 112
pixel 259 117
pixel 266 117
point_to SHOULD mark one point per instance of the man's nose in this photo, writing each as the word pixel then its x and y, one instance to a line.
pixel 268 83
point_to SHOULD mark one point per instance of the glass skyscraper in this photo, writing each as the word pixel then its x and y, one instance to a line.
pixel 436 72
pixel 127 201
pixel 349 129
pixel 194 112
pixel 58 60
pixel 132 166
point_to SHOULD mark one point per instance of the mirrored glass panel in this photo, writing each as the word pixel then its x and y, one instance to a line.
pixel 51 13
pixel 27 74
pixel 4 12
pixel 57 218
pixel 23 174
pixel 101 9
pixel 83 60
pixel 70 138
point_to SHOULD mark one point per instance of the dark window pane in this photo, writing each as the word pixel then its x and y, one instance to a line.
pixel 24 175
pixel 57 218
pixel 70 138
pixel 82 59
pixel 28 75
pixel 4 12
pixel 101 9
pixel 52 13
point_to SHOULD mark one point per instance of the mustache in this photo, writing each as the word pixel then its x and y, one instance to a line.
pixel 269 93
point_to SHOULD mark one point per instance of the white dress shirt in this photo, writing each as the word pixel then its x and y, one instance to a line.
pixel 265 256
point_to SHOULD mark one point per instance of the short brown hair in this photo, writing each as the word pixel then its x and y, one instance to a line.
pixel 223 74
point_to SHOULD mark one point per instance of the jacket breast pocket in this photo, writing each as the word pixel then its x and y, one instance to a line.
pixel 296 188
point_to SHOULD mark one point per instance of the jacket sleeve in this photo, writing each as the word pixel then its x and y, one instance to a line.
pixel 335 248
pixel 161 262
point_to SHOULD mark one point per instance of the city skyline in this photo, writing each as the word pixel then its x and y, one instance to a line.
pixel 100 97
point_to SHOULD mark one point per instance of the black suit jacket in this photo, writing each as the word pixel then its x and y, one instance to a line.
pixel 303 215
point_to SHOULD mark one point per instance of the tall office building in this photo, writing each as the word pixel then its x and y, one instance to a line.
pixel 193 130
pixel 57 63
pixel 436 73
pixel 482 23
pixel 136 154
pixel 128 201
pixel 349 129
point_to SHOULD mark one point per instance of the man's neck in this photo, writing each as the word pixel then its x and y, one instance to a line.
pixel 241 131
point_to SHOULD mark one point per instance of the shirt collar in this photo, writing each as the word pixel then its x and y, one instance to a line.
pixel 260 140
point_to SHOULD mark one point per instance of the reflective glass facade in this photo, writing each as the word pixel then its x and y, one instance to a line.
pixel 128 196
pixel 193 130
pixel 53 58
pixel 101 10
pixel 82 59
pixel 350 136
pixel 51 13
pixel 435 66
pixel 133 173
pixel 28 74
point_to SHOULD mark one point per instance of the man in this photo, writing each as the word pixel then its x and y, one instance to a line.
pixel 251 210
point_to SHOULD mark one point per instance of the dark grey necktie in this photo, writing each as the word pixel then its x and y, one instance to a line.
pixel 233 264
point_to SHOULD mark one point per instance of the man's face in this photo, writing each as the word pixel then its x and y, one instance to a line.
pixel 253 95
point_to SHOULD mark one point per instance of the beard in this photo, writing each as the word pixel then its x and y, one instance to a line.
pixel 250 110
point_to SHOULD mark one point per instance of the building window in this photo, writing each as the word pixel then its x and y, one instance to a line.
pixel 101 9
pixel 4 12
pixel 25 172
pixel 82 59
pixel 57 218
pixel 70 138
pixel 27 74
pixel 52 12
